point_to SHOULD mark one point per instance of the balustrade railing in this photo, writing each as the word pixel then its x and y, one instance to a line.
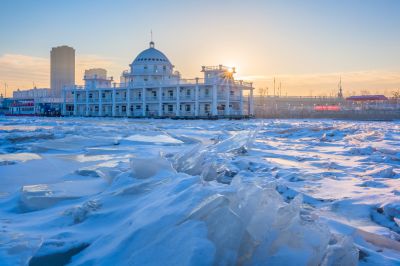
pixel 169 98
pixel 205 97
pixel 187 98
pixel 151 98
pixel 136 99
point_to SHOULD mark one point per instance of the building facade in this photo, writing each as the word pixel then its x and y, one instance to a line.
pixel 151 88
pixel 34 93
pixel 62 69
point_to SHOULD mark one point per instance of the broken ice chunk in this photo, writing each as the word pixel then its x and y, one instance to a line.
pixel 36 197
pixel 382 172
pixel 150 166
pixel 80 213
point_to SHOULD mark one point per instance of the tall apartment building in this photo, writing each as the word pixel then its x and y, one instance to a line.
pixel 62 69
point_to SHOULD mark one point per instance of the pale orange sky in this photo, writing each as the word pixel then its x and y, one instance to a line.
pixel 22 71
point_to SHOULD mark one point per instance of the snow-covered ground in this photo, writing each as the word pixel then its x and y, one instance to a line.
pixel 164 192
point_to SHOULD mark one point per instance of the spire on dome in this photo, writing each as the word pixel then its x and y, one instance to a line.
pixel 151 39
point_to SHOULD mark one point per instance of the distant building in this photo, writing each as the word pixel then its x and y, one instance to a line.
pixel 62 69
pixel 367 98
pixel 36 101
pixel 151 88
pixel 22 107
pixel 34 93
pixel 97 78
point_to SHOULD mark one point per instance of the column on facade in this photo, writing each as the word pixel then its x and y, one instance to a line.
pixel 128 102
pixel 228 95
pixel 100 103
pixel 75 102
pixel 196 98
pixel 178 101
pixel 251 100
pixel 113 102
pixel 160 101
pixel 214 110
pixel 241 99
pixel 87 102
pixel 143 101
pixel 64 106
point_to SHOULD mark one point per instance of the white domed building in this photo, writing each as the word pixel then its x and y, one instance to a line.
pixel 151 88
pixel 151 66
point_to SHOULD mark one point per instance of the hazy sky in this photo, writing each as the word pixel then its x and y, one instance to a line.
pixel 306 45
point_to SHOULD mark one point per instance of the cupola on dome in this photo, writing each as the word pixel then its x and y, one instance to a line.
pixel 151 56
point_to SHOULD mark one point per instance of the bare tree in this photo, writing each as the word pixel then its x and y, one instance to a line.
pixel 365 92
pixel 396 94
pixel 262 91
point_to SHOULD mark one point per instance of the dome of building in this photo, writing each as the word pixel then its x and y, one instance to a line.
pixel 151 56
pixel 151 66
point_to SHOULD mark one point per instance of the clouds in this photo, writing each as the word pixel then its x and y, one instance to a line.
pixel 22 71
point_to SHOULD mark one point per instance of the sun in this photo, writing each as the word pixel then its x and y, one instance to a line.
pixel 231 70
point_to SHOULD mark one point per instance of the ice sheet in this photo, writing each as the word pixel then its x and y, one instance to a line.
pixel 133 192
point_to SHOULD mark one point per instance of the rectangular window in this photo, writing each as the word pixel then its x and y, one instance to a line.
pixel 232 93
pixel 187 108
pixel 207 108
pixel 123 108
pixel 154 93
pixel 206 92
pixel 188 93
pixel 170 108
pixel 138 107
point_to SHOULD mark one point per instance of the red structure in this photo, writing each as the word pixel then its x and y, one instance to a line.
pixel 334 108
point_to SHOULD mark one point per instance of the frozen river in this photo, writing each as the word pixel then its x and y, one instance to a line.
pixel 162 192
